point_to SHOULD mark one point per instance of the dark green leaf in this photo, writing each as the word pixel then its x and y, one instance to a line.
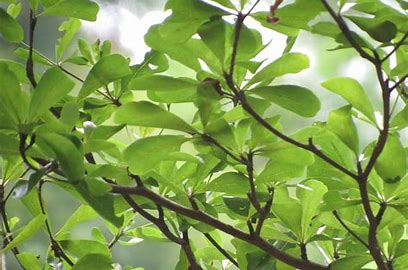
pixel 382 31
pixel 69 157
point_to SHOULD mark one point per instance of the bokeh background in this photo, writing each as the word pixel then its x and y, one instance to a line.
pixel 125 22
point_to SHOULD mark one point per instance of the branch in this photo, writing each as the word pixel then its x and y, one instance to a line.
pixel 303 251
pixel 252 194
pixel 185 244
pixel 209 220
pixel 30 62
pixel 397 84
pixel 229 77
pixel 347 33
pixel 336 215
pixel 397 46
pixel 8 237
pixel 211 239
pixel 211 140
pixel 265 212
pixel 58 251
pixel 158 222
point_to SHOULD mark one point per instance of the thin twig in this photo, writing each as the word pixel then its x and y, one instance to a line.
pixel 350 231
pixel 58 251
pixel 211 239
pixel 397 46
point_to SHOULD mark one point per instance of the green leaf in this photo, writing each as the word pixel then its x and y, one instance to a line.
pixel 146 114
pixel 149 233
pixel 186 17
pixel 9 145
pixel 34 4
pixel 162 83
pixel 110 68
pixel 12 100
pixel 10 28
pixel 237 205
pixel 93 262
pixel 52 87
pixel 14 10
pixel 140 163
pixel 69 157
pixel 288 63
pixel 382 31
pixel 353 92
pixel 207 103
pixel 400 120
pixel 29 261
pixel 80 248
pixel 341 123
pixel 86 50
pixel 82 214
pixel 81 9
pixel 285 162
pixel 290 213
pixel 392 163
pixel 214 34
pixel 22 188
pixel 294 98
pixel 310 198
pixel 350 263
pixel 70 28
pixel 237 184
pixel 96 194
pixel 26 233
pixel 18 69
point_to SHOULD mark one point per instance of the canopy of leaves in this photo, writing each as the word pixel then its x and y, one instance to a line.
pixel 207 157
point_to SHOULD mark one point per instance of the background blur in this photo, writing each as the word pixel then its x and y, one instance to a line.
pixel 125 22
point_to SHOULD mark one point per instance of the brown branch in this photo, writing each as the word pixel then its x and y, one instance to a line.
pixel 209 220
pixel 30 62
pixel 252 193
pixel 303 251
pixel 185 244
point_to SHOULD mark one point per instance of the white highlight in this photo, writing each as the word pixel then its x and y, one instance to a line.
pixel 124 28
